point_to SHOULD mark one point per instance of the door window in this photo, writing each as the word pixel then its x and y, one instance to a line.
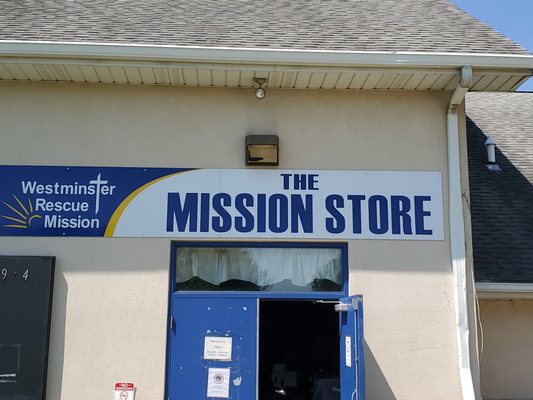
pixel 290 269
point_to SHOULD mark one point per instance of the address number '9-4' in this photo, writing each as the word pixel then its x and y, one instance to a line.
pixel 5 274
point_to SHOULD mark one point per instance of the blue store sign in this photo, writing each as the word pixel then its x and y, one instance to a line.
pixel 212 203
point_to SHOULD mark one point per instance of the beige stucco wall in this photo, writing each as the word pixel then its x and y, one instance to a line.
pixel 110 304
pixel 507 349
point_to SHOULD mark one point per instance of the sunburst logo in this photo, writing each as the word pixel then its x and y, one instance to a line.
pixel 24 214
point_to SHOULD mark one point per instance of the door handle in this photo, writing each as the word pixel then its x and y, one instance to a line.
pixel 172 324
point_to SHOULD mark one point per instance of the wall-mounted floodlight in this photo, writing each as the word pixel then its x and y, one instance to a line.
pixel 262 150
pixel 260 92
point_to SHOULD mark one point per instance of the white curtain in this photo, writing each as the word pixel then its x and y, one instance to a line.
pixel 261 266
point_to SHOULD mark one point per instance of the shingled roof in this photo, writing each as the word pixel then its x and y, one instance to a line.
pixel 502 202
pixel 350 25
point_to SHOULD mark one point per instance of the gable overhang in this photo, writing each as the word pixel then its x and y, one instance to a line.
pixel 112 63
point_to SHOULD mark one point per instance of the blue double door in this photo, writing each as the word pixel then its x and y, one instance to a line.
pixel 214 351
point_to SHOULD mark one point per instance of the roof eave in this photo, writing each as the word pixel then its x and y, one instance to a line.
pixel 504 291
pixel 436 71
pixel 188 54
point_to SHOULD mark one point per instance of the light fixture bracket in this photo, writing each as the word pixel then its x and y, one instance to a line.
pixel 260 81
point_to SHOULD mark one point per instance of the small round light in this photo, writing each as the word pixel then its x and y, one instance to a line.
pixel 260 93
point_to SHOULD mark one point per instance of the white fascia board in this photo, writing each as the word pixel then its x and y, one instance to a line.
pixel 245 56
pixel 490 290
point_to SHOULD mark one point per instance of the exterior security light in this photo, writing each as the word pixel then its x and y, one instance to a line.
pixel 262 150
pixel 260 93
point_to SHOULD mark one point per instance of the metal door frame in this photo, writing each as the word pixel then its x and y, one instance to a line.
pixel 310 296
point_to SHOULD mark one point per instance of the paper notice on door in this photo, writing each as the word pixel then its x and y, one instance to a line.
pixel 218 382
pixel 217 348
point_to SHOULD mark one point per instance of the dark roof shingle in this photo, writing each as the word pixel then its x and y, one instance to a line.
pixel 502 202
pixel 350 25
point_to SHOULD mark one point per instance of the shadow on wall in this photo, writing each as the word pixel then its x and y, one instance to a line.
pixel 57 336
pixel 376 384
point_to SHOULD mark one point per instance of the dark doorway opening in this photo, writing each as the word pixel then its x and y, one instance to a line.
pixel 298 351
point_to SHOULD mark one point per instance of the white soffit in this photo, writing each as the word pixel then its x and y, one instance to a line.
pixel 231 67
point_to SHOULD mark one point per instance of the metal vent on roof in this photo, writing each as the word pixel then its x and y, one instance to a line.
pixel 491 155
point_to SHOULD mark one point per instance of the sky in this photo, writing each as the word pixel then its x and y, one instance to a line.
pixel 513 18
